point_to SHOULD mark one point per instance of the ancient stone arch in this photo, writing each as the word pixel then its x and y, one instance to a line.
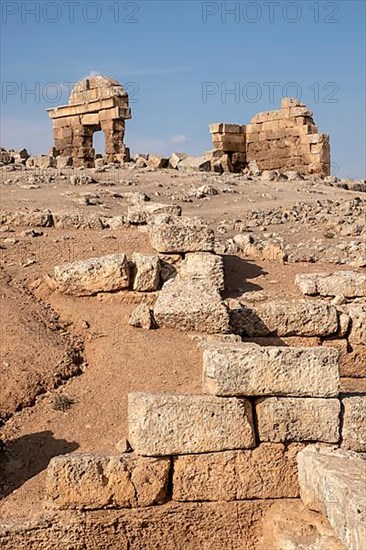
pixel 96 103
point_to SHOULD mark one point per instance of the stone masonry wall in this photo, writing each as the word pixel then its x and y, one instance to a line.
pixel 95 104
pixel 286 139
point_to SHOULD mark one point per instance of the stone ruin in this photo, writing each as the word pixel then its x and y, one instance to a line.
pixel 286 139
pixel 96 103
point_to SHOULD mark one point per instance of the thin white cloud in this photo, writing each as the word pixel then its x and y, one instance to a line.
pixel 179 139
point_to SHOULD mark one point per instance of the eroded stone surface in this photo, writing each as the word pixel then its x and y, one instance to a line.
pixel 269 471
pixel 144 212
pixel 245 370
pixel 333 482
pixel 285 318
pixel 87 277
pixel 354 423
pixel 346 283
pixel 191 305
pixel 147 272
pixel 290 526
pixel 203 266
pixel 283 419
pixel 165 424
pixel 91 481
pixel 173 235
pixel 357 313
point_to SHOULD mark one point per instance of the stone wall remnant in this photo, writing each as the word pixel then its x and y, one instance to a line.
pixel 286 139
pixel 96 103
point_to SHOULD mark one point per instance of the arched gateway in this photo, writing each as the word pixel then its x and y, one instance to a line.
pixel 96 103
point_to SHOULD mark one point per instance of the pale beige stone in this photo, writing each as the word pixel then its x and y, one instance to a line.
pixel 194 164
pixel 244 370
pixel 357 313
pixel 142 317
pixel 144 212
pixel 203 266
pixel 191 305
pixel 286 318
pixel 354 423
pixel 288 525
pixel 283 419
pixel 269 471
pixel 333 482
pixel 348 283
pixel 90 481
pixel 147 272
pixel 173 235
pixel 88 277
pixel 167 424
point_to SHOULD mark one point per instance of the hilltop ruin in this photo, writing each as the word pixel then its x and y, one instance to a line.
pixel 97 103
pixel 287 139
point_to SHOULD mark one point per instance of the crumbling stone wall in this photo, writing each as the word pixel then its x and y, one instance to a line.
pixel 97 103
pixel 286 139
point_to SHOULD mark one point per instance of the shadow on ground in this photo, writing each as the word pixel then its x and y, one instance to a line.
pixel 26 456
pixel 238 276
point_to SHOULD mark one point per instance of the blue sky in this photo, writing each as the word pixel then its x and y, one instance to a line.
pixel 179 61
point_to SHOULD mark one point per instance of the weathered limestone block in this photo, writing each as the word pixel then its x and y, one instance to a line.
pixel 27 218
pixel 174 235
pixel 147 272
pixel 176 158
pixel 88 277
pixel 191 306
pixel 283 419
pixel 286 318
pixel 354 423
pixel 78 220
pixel 245 370
pixel 90 481
pixel 164 424
pixel 203 266
pixel 347 283
pixel 156 162
pixel 333 482
pixel 142 317
pixel 194 164
pixel 357 335
pixel 143 213
pixel 288 525
pixel 269 471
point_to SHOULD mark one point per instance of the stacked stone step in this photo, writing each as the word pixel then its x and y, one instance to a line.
pixel 239 440
pixel 288 139
pixel 228 140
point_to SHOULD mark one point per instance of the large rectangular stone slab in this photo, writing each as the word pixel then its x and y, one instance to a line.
pixel 333 482
pixel 88 277
pixel 245 370
pixel 167 424
pixel 173 235
pixel 354 423
pixel 283 419
pixel 191 305
pixel 347 283
pixel 269 471
pixel 286 318
pixel 90 481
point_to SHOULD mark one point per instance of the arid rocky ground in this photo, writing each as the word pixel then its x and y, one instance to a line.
pixel 55 345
